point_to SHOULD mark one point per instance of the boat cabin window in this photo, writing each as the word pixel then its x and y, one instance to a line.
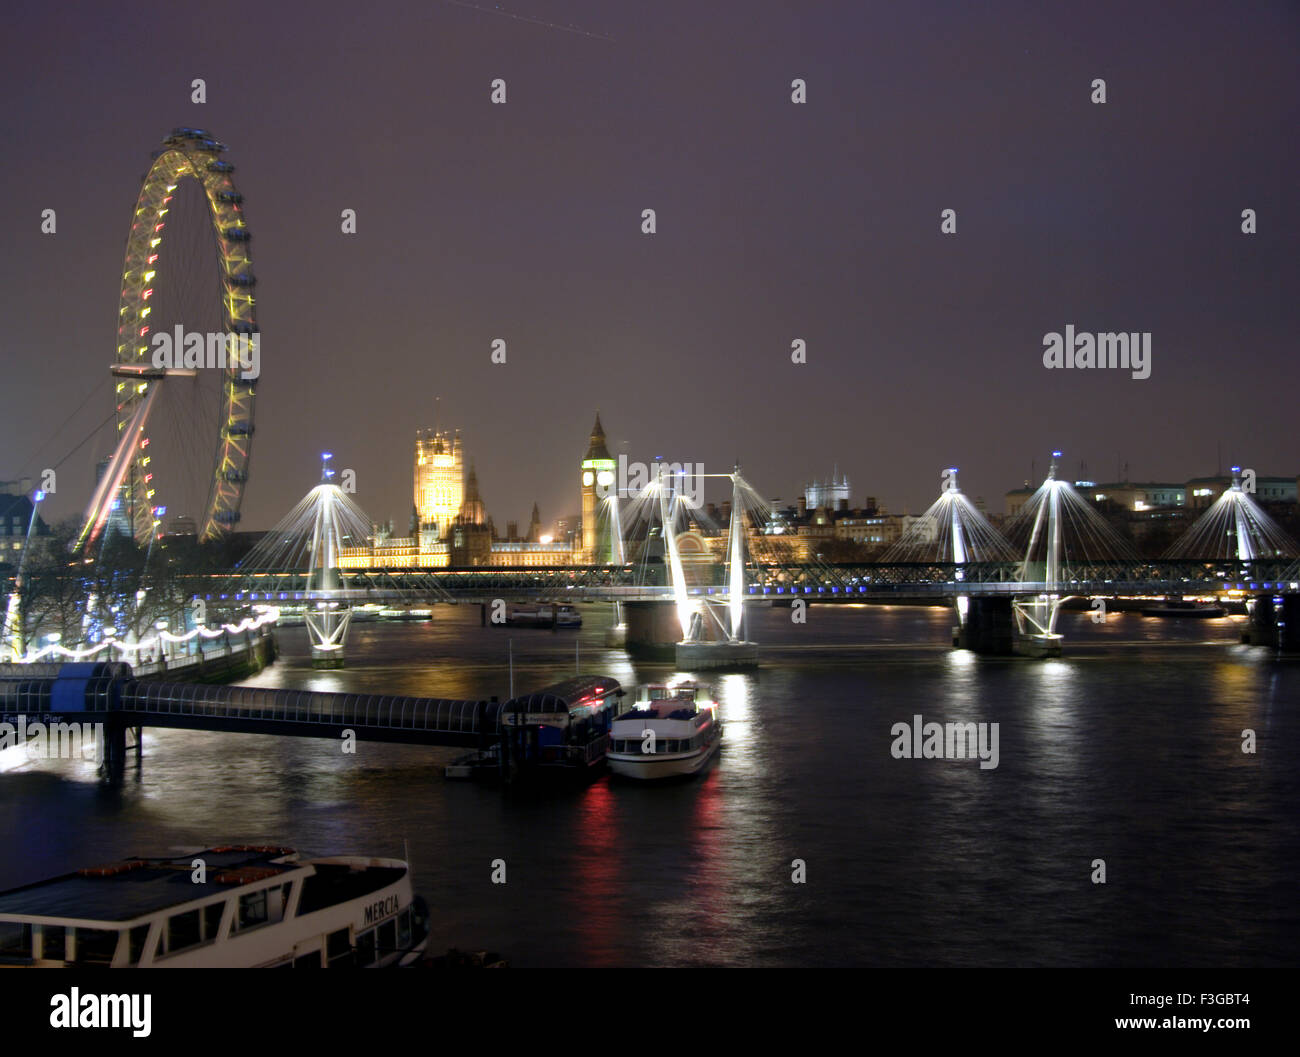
pixel 252 910
pixel 366 948
pixel 53 943
pixel 265 906
pixel 404 928
pixel 94 946
pixel 135 943
pixel 386 937
pixel 212 919
pixel 673 693
pixel 15 939
pixel 311 960
pixel 184 930
pixel 338 949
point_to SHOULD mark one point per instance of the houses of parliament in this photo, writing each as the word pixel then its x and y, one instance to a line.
pixel 450 526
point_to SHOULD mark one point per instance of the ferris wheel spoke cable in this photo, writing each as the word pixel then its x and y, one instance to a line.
pixel 31 458
pixel 86 439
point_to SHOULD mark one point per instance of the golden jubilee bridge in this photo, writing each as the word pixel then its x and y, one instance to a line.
pixel 986 594
pixel 1006 590
pixel 822 582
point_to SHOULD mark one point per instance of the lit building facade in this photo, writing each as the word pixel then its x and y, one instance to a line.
pixel 439 479
pixel 830 495
pixel 1137 496
pixel 453 528
pixel 1203 491
pixel 598 481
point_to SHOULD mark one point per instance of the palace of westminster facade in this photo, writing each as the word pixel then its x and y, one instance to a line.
pixel 450 526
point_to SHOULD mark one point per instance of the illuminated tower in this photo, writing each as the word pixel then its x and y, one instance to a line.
pixel 472 510
pixel 597 483
pixel 439 478
pixel 471 532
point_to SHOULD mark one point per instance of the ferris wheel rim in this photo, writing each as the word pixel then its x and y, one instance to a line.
pixel 189 153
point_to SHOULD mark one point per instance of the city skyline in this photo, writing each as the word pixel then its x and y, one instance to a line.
pixel 523 222
pixel 586 485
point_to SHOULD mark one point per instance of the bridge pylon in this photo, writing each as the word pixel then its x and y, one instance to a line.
pixel 616 635
pixel 326 615
pixel 707 641
pixel 954 531
pixel 1036 616
pixel 1064 538
pixel 311 539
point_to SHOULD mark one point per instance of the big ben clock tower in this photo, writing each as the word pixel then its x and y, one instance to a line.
pixel 598 481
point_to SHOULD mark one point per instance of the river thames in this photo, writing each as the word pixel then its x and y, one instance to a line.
pixel 1128 749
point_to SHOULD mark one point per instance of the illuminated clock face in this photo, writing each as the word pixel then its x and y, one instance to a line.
pixel 587 478
pixel 605 478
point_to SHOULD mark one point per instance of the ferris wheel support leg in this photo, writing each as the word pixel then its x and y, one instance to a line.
pixel 101 503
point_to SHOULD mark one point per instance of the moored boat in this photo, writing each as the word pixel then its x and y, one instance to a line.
pixel 672 731
pixel 1202 610
pixel 248 907
pixel 542 615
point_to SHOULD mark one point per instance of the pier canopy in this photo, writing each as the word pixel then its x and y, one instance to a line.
pixel 571 698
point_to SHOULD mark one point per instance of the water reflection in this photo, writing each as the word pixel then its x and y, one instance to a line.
pixel 1128 752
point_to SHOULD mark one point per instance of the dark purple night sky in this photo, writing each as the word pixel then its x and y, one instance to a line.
pixel 775 221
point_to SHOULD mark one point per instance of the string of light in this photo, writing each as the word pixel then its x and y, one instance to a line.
pixel 268 616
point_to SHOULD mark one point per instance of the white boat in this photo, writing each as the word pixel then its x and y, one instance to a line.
pixel 255 907
pixel 543 615
pixel 673 730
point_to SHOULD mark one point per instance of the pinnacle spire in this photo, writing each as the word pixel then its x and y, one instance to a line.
pixel 596 449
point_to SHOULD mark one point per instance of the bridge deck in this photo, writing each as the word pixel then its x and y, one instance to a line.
pixel 867 581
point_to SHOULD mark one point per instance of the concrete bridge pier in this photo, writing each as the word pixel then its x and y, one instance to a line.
pixel 112 751
pixel 990 627
pixel 1288 624
pixel 653 629
pixel 1261 622
pixel 1275 624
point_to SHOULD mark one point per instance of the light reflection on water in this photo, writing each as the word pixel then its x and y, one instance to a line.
pixel 1121 750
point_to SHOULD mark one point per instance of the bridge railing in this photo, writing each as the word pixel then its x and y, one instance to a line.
pixel 635 581
pixel 1075 576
